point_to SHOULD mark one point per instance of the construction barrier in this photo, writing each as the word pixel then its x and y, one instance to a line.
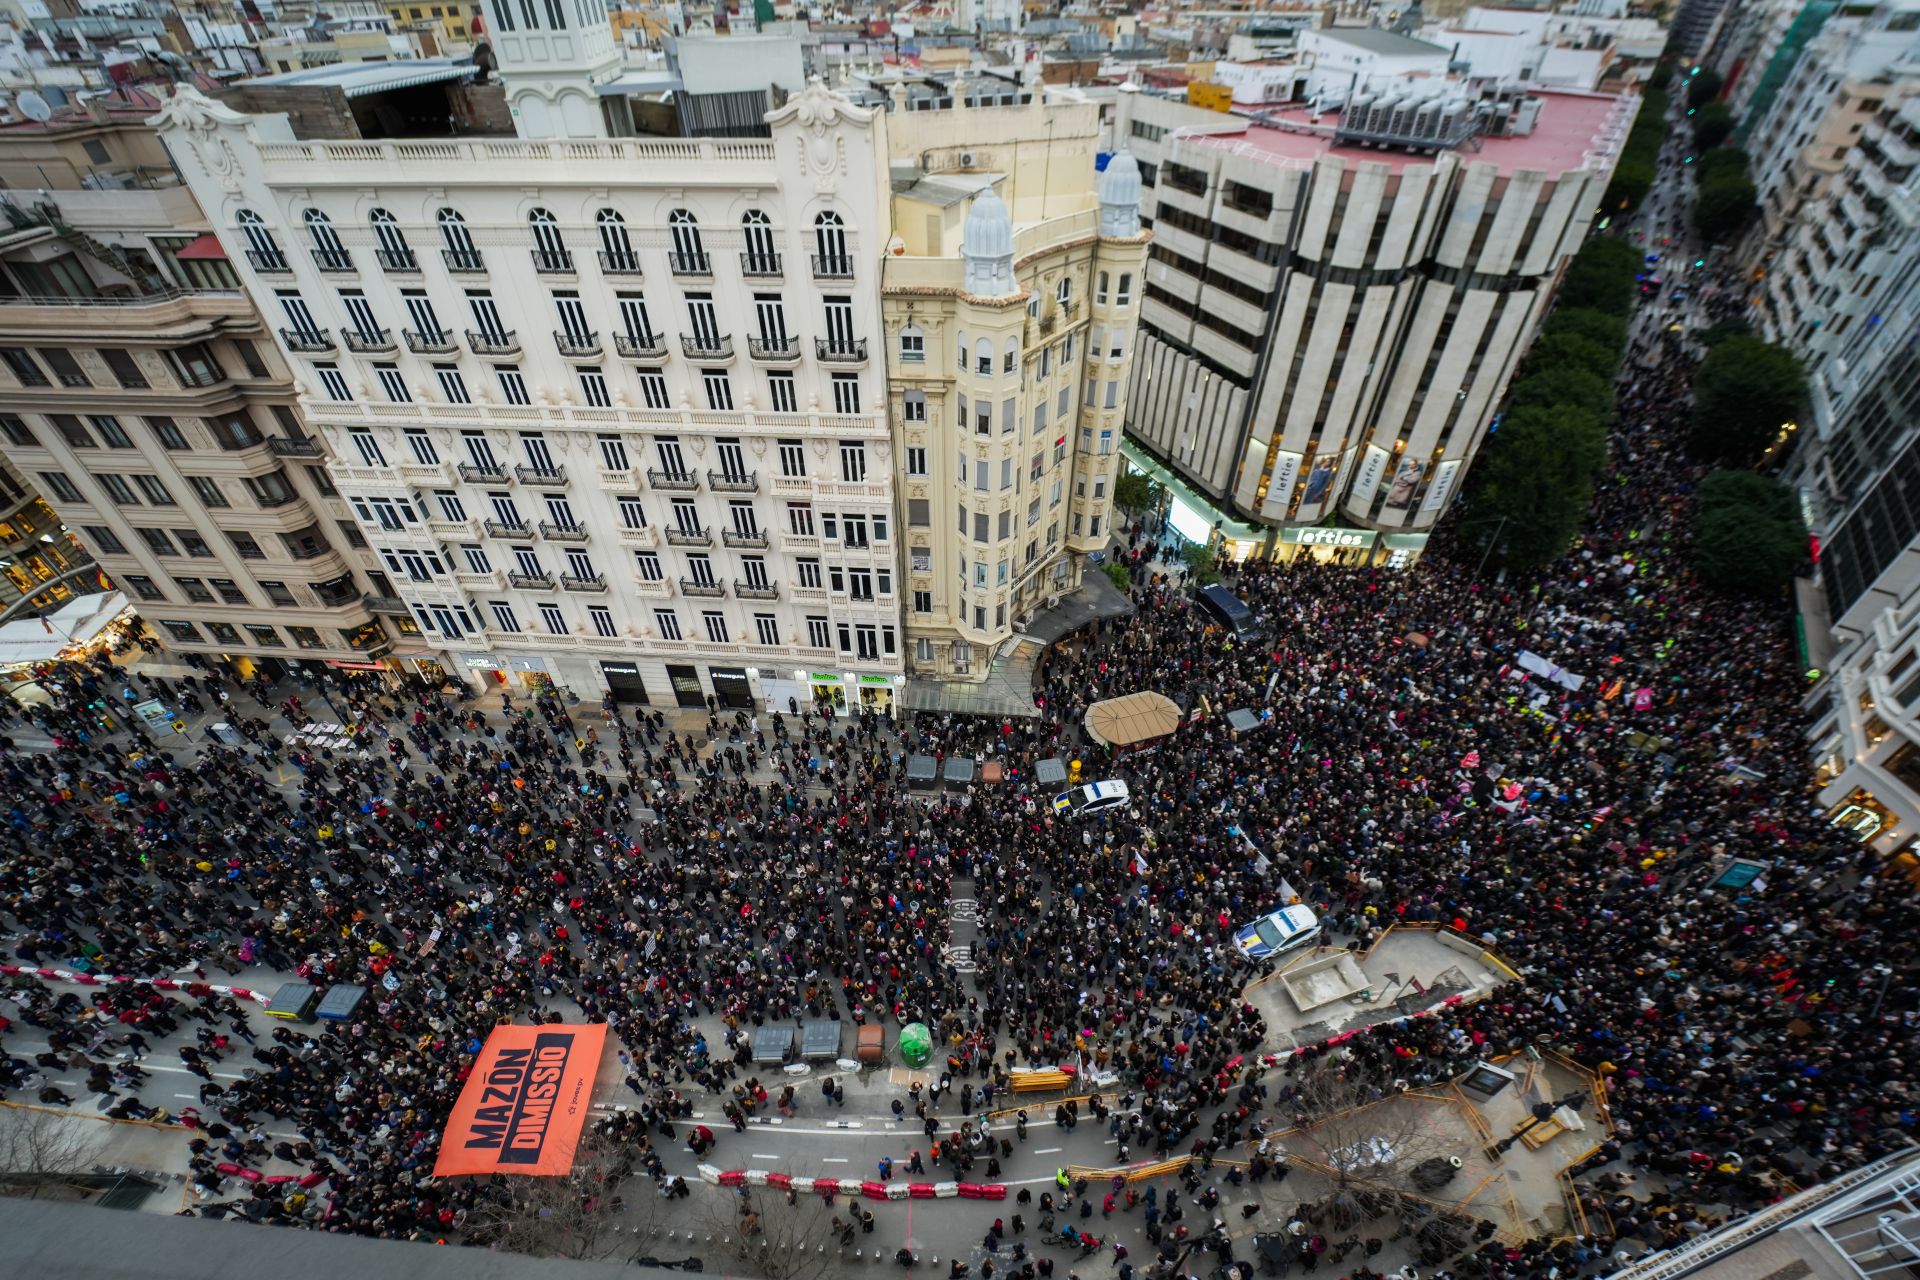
pixel 159 984
pixel 1040 1081
pixel 837 1186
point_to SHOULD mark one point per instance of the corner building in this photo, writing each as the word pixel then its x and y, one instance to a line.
pixel 611 411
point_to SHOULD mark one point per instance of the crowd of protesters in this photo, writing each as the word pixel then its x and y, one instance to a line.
pixel 474 863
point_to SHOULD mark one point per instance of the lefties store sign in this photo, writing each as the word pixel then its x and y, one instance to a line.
pixel 525 1104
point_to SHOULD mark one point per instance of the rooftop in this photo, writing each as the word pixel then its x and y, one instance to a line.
pixel 1571 132
pixel 1386 43
pixel 357 78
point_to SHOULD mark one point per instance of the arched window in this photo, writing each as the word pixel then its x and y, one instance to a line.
pixel 549 250
pixel 616 247
pixel 328 253
pixel 830 246
pixel 1010 358
pixel 913 406
pixel 261 249
pixel 1063 293
pixel 761 258
pixel 393 253
pixel 689 254
pixel 456 242
pixel 913 344
pixel 983 357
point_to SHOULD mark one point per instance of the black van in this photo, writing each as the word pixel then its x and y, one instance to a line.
pixel 1227 609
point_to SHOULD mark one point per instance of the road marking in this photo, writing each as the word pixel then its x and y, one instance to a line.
pixel 833 1159
pixel 762 1155
pixel 1047 1151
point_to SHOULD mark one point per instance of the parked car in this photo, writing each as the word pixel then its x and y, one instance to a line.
pixel 1095 797
pixel 1277 932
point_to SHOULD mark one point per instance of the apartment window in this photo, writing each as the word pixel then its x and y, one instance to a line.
pixel 513 387
pixel 332 383
pixel 16 431
pixel 25 369
pixel 503 616
pixel 793 458
pixel 718 390
pixel 153 491
pixel 104 539
pixel 785 398
pixel 853 461
pixel 453 388
pixel 233 431
pixel 593 388
pixel 158 541
pixel 807 570
pixel 245 545
pixel 476 557
pixel 306 544
pixel 168 433
pixel 766 628
pixel 1125 295
pixel 819 636
pixel 422 446
pixel 193 544
pixel 668 622
pixel 351 532
pixel 208 490
pixel 613 453
pixel 392 385
pixel 846 393
pixel 647 565
pixel 368 448
pixel 800 519
pixel 271 490
pixel 913 345
pixel 916 460
pixel 553 620
pixel 195 590
pixel 913 407
pixel 632 514
pixel 923 649
pixel 919 513
pixel 923 602
pixel 602 619
pixel 265 636
pixel 185 632
pixel 306 637
pixel 142 586
pixel 653 389
pixel 63 489
pixel 716 625
pixel 72 430
pixel 65 368
pixel 229 590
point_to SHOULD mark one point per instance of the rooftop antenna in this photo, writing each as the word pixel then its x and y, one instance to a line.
pixel 34 107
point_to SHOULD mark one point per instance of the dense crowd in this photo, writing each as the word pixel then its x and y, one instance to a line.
pixel 472 867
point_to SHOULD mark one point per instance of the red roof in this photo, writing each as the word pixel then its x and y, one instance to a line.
pixel 205 247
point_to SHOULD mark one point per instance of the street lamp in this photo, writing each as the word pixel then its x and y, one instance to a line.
pixel 1542 1112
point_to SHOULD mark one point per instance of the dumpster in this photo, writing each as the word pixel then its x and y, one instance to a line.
pixel 993 771
pixel 339 1003
pixel 923 773
pixel 1050 775
pixel 1241 720
pixel 916 1044
pixel 870 1044
pixel 959 773
pixel 294 1001
pixel 772 1044
pixel 819 1038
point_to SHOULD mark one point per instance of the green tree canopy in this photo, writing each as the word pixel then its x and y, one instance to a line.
pixel 1711 125
pixel 1572 351
pixel 1704 87
pixel 1585 322
pixel 1742 392
pixel 1565 387
pixel 1134 492
pixel 1724 206
pixel 1202 562
pixel 1118 574
pixel 1747 533
pixel 1720 330
pixel 1534 479
pixel 1719 162
pixel 1600 277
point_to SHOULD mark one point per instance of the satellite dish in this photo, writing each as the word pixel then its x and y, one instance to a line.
pixel 33 107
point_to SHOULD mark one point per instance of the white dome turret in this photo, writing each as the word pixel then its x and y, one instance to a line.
pixel 986 243
pixel 1119 189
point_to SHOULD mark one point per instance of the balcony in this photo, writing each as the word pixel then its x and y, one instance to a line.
pixel 480 472
pixel 707 346
pixel 398 261
pixel 683 481
pixel 733 481
pixel 508 528
pixel 333 260
pixel 677 537
pixel 637 347
pixel 551 476
pixel 662 587
pixel 751 591
pixel 832 266
pixel 531 581
pixel 494 344
pixel 780 350
pixel 645 536
pixel 437 343
pixel 553 262
pixel 619 263
pixel 739 538
pixel 387 604
pixel 294 447
pixel 760 265
pixel 588 582
pixel 463 261
pixel 690 264
pixel 269 262
pixel 563 532
pixel 373 343
pixel 798 486
pixel 576 346
pixel 831 351
pixel 311 342
pixel 689 587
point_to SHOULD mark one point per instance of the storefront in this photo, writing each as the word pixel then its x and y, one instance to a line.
pixel 1191 515
pixel 1329 546
pixel 730 686
pixel 530 675
pixel 686 685
pixel 624 684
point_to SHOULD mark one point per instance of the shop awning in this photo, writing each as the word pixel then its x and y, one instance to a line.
pixel 203 248
pixel 1137 717
pixel 78 622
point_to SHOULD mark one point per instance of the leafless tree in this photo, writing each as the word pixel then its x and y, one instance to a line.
pixel 42 1151
pixel 1364 1138
pixel 772 1235
pixel 602 1209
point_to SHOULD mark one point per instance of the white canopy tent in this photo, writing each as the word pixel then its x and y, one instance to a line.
pixel 27 641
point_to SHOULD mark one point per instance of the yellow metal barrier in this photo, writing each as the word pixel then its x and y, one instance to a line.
pixel 1040 1081
pixel 1007 1113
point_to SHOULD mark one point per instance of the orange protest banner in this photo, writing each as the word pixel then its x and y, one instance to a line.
pixel 524 1105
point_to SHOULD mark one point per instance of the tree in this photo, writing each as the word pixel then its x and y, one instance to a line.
pixel 1135 493
pixel 1534 479
pixel 1565 387
pixel 1572 351
pixel 1600 277
pixel 599 1210
pixel 1747 533
pixel 1584 322
pixel 1704 87
pixel 1721 161
pixel 1361 1139
pixel 1639 161
pixel 1118 574
pixel 1720 330
pixel 1711 125
pixel 1723 207
pixel 41 1151
pixel 772 1236
pixel 1202 563
pixel 1743 392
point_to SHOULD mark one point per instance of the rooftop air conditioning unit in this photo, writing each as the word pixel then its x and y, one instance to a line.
pixel 967 159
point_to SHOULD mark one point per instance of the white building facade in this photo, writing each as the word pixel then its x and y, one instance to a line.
pixel 612 412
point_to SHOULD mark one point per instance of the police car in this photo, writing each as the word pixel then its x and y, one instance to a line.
pixel 1095 797
pixel 1277 931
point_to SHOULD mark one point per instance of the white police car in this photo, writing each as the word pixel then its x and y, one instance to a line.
pixel 1277 931
pixel 1095 797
